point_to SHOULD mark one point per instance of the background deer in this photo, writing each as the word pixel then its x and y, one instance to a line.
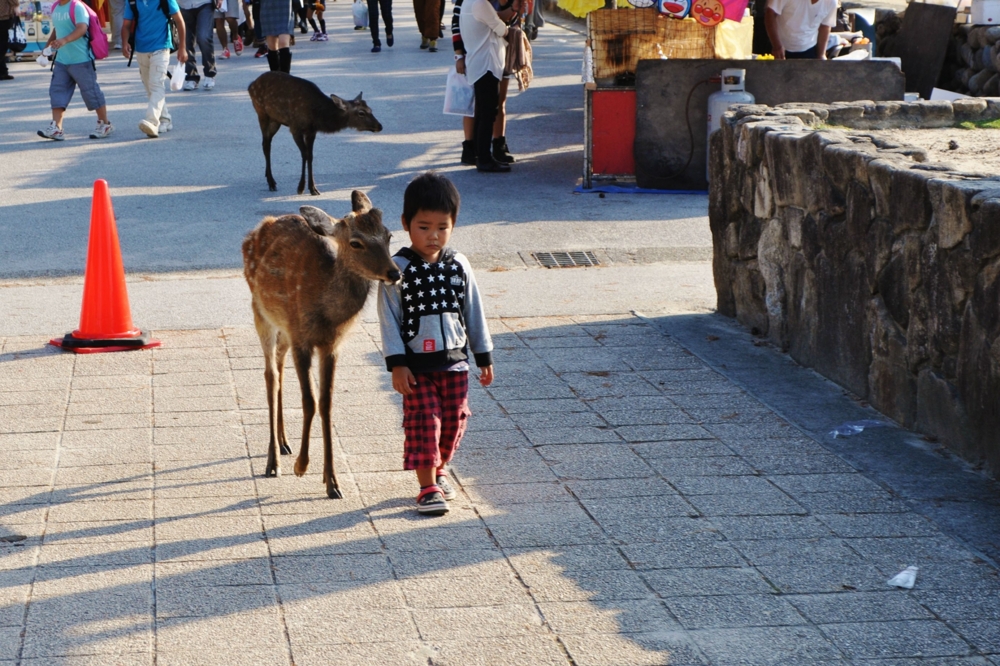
pixel 283 99
pixel 309 277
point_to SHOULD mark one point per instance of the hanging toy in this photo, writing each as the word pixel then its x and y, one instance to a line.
pixel 708 12
pixel 674 8
pixel 642 4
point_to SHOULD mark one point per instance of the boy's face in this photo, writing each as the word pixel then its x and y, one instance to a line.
pixel 429 232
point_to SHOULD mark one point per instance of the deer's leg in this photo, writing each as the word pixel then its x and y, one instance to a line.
pixel 282 353
pixel 272 381
pixel 327 366
pixel 310 140
pixel 303 360
pixel 300 141
pixel 268 128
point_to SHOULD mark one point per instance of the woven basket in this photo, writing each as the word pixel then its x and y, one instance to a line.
pixel 620 38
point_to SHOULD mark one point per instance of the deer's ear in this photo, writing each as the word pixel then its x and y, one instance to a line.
pixel 318 221
pixel 358 98
pixel 339 102
pixel 360 203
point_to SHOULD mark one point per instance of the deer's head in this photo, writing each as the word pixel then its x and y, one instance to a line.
pixel 362 240
pixel 359 115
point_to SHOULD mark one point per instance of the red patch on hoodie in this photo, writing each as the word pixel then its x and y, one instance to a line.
pixel 429 345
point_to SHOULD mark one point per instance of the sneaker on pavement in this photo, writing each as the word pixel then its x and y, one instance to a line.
pixel 434 46
pixel 360 27
pixel 102 131
pixel 166 124
pixel 149 129
pixel 377 48
pixel 225 53
pixel 388 39
pixel 190 85
pixel 424 42
pixel 323 37
pixel 315 37
pixel 447 490
pixel 238 45
pixel 431 502
pixel 261 52
pixel 53 132
pixel 209 83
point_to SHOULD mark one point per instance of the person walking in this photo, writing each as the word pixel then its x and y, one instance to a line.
pixel 74 67
pixel 277 23
pixel 152 49
pixel 8 17
pixel 230 16
pixel 117 11
pixel 428 13
pixel 483 29
pixel 373 12
pixel 199 17
pixel 433 324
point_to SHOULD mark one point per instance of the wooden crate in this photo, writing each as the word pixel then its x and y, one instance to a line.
pixel 620 38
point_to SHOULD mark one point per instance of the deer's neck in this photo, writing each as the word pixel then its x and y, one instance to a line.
pixel 345 295
pixel 333 119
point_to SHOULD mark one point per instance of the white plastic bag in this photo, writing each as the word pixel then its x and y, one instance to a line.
pixel 459 95
pixel 905 578
pixel 360 11
pixel 177 75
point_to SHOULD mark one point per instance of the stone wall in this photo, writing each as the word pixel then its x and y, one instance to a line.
pixel 880 271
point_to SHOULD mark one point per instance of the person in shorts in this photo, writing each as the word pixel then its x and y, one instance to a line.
pixel 231 16
pixel 152 50
pixel 73 68
pixel 431 322
pixel 315 13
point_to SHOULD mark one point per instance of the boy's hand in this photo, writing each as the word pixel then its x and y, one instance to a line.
pixel 403 380
pixel 486 375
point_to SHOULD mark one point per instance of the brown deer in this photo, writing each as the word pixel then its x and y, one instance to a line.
pixel 309 277
pixel 283 99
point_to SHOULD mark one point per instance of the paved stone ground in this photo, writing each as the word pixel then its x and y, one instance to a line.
pixel 621 503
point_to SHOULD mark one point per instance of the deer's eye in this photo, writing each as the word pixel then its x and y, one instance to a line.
pixel 356 245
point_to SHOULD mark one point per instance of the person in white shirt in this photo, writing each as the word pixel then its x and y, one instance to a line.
pixel 800 28
pixel 483 30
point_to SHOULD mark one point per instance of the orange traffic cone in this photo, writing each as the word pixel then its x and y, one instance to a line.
pixel 105 318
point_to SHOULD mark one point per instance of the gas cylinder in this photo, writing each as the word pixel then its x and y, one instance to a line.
pixel 733 92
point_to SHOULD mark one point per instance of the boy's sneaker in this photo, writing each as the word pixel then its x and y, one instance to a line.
pixel 166 124
pixel 238 45
pixel 190 85
pixel 447 490
pixel 225 53
pixel 102 131
pixel 53 132
pixel 209 83
pixel 434 46
pixel 431 502
pixel 149 129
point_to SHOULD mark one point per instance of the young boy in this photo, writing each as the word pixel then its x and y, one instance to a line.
pixel 74 67
pixel 430 321
pixel 152 49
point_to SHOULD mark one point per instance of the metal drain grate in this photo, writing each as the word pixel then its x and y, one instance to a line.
pixel 566 259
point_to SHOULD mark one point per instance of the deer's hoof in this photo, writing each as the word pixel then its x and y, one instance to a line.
pixel 272 185
pixel 333 492
pixel 300 466
pixel 313 191
pixel 272 470
pixel 285 449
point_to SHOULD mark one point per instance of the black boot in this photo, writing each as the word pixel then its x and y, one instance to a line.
pixel 285 60
pixel 469 153
pixel 272 61
pixel 500 152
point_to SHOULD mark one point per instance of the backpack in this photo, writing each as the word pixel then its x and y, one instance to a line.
pixel 171 27
pixel 95 31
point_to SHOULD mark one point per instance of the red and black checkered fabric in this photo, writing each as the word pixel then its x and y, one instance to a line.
pixel 434 418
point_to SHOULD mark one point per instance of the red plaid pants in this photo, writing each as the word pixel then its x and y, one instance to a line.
pixel 434 418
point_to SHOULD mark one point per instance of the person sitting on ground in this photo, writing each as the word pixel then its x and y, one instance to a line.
pixel 74 66
pixel 800 28
pixel 483 29
pixel 316 8
pixel 152 49
pixel 430 322
pixel 230 16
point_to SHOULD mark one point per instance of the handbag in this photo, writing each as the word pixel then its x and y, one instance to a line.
pixel 459 95
pixel 360 11
pixel 17 40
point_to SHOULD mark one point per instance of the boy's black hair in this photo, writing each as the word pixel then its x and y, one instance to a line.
pixel 431 192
